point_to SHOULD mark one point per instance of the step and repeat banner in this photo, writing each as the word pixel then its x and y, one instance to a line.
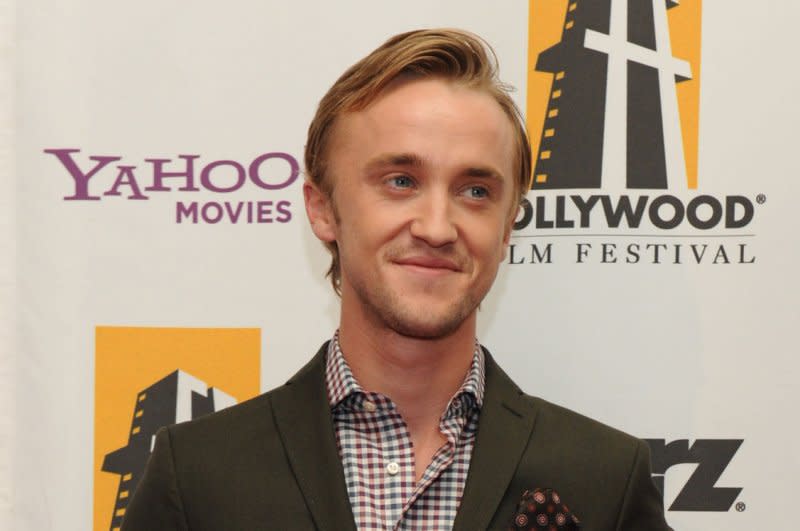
pixel 165 268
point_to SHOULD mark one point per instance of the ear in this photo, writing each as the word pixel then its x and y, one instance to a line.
pixel 319 208
pixel 506 239
pixel 507 233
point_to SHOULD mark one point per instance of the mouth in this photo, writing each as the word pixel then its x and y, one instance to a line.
pixel 428 264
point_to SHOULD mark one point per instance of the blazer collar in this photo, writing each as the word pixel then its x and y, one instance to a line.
pixel 504 429
pixel 304 421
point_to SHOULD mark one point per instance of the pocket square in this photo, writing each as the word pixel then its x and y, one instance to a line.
pixel 543 509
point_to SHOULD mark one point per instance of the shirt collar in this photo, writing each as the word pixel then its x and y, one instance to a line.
pixel 341 383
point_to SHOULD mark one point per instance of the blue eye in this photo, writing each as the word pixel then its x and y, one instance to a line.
pixel 401 181
pixel 477 192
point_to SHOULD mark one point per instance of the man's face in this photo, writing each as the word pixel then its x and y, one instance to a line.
pixel 422 192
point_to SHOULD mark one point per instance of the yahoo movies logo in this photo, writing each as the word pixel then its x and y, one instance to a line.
pixel 613 112
pixel 98 177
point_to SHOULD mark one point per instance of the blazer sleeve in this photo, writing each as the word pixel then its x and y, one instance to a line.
pixel 156 504
pixel 643 506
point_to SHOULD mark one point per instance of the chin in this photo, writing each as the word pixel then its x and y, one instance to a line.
pixel 424 331
pixel 414 315
pixel 422 324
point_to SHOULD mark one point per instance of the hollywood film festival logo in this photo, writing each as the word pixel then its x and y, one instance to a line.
pixel 149 377
pixel 185 177
pixel 178 397
pixel 613 109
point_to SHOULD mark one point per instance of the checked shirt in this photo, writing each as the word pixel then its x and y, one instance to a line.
pixel 378 458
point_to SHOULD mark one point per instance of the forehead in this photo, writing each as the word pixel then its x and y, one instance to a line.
pixel 441 121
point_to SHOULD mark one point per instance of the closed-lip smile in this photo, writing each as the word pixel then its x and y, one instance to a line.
pixel 428 262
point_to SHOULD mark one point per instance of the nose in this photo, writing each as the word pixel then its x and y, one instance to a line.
pixel 433 221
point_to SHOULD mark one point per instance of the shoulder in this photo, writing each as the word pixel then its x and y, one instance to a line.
pixel 227 422
pixel 602 472
pixel 573 431
pixel 256 417
pixel 577 444
pixel 238 458
pixel 578 430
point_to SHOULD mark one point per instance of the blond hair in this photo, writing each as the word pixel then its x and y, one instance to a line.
pixel 450 54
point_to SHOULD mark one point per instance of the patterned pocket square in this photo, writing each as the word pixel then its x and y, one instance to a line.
pixel 542 509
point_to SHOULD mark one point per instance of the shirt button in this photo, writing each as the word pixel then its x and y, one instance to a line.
pixel 370 407
pixel 392 468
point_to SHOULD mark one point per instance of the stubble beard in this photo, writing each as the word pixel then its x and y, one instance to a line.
pixel 387 308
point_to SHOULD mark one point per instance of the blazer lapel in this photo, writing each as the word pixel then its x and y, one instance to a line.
pixel 503 432
pixel 303 418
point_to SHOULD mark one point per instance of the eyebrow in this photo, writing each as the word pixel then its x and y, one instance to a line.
pixel 395 159
pixel 412 160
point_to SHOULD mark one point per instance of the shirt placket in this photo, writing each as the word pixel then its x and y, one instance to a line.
pixel 375 435
pixel 451 427
pixel 396 468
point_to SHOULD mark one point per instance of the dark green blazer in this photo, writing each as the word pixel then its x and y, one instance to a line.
pixel 272 463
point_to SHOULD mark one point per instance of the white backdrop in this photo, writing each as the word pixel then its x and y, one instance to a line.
pixel 663 351
pixel 7 257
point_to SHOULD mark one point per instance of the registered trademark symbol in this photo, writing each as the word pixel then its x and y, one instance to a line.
pixel 761 199
pixel 740 507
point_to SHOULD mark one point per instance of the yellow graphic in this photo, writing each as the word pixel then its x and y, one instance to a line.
pixel 684 31
pixel 550 21
pixel 129 360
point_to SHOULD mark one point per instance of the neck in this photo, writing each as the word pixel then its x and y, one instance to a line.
pixel 418 375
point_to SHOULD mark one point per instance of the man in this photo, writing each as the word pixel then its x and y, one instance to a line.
pixel 416 162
